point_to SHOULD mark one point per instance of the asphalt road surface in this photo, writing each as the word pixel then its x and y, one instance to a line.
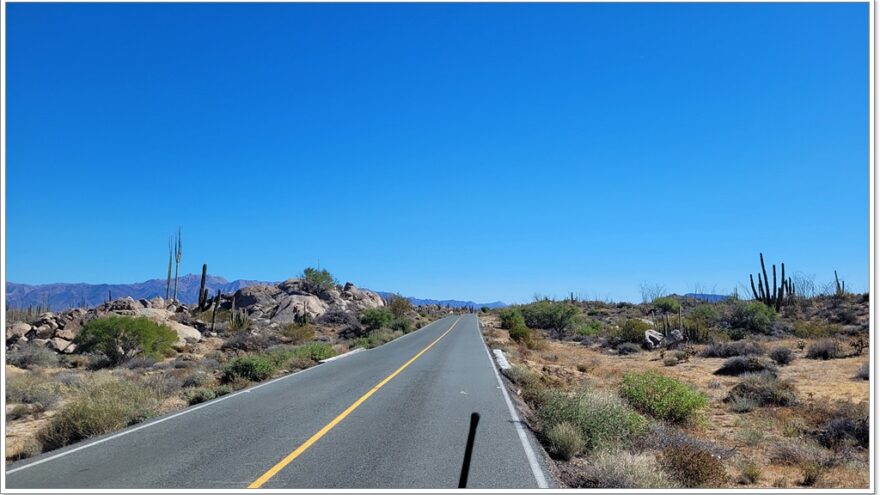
pixel 396 416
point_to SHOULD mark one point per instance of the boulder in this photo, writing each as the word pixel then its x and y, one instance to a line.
pixel 17 329
pixel 156 303
pixel 59 344
pixel 291 306
pixel 65 333
pixel 44 331
pixel 40 342
pixel 675 335
pixel 69 349
pixel 253 295
pixel 294 286
pixel 653 339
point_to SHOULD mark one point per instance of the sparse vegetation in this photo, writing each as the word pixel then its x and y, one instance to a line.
pixel 764 389
pixel 253 368
pixel 730 349
pixel 781 355
pixel 105 404
pixel 602 419
pixel 565 440
pixel 31 356
pixel 693 467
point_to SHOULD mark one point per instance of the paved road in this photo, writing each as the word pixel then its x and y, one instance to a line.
pixel 409 433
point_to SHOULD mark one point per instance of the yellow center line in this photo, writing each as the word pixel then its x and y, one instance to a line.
pixel 323 431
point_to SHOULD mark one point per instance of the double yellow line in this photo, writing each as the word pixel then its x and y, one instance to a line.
pixel 329 426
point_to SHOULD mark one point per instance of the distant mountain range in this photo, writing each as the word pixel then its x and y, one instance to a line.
pixel 62 296
pixel 452 303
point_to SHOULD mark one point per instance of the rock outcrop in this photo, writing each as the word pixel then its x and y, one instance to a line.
pixel 266 305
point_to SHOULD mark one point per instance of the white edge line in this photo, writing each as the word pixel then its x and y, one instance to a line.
pixel 179 413
pixel 349 353
pixel 537 472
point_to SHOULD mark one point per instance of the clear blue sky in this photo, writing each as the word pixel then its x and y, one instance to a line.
pixel 452 151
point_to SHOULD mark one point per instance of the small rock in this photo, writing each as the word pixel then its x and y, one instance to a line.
pixel 59 344
pixel 40 342
pixel 45 332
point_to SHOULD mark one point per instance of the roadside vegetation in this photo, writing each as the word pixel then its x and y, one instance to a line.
pixel 126 368
pixel 751 396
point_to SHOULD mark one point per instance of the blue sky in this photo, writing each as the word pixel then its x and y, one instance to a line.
pixel 452 151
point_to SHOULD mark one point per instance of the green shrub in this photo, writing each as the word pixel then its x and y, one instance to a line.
pixel 197 379
pixel 316 351
pixel 764 389
pixel 511 318
pixel 557 316
pixel 632 330
pixel 814 329
pixel 30 356
pixel 667 304
pixel 603 421
pixel 402 325
pixel 376 318
pixel 122 337
pixel 751 317
pixel 198 395
pixel 299 333
pixel 318 280
pixel 253 368
pixel 662 397
pixel 739 365
pixel 104 405
pixel 565 440
pixel 520 334
pixel 221 390
pixel 591 329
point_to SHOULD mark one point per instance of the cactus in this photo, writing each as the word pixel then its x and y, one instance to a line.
pixel 840 286
pixel 168 281
pixel 240 320
pixel 216 308
pixel 775 296
pixel 203 291
pixel 178 254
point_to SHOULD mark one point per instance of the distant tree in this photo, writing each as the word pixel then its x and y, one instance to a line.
pixel 318 280
pixel 122 337
pixel 399 305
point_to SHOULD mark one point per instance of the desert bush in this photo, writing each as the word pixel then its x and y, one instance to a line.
pixel 196 379
pixel 139 362
pixel 105 404
pixel 240 321
pixel 247 342
pixel 739 365
pixel 18 411
pixel 864 371
pixel 730 349
pixel 663 436
pixel 398 305
pixel 848 425
pixel 813 329
pixel 620 469
pixel 763 388
pixel 592 328
pixel 603 420
pixel 631 330
pixel 318 280
pixel 29 447
pixel 520 334
pixel 197 395
pixel 739 404
pixel 781 355
pixel 511 318
pixel 693 467
pixel 825 349
pixel 667 305
pixel 751 317
pixel 670 361
pixel 401 325
pixel 628 348
pixel 565 440
pixel 122 337
pixel 30 356
pixel 749 473
pixel 253 368
pixel 556 316
pixel 376 318
pixel 801 452
pixel 162 384
pixel 662 397
pixel 316 351
pixel 31 388
pixel 299 333
pixel 224 389
pixel 522 376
